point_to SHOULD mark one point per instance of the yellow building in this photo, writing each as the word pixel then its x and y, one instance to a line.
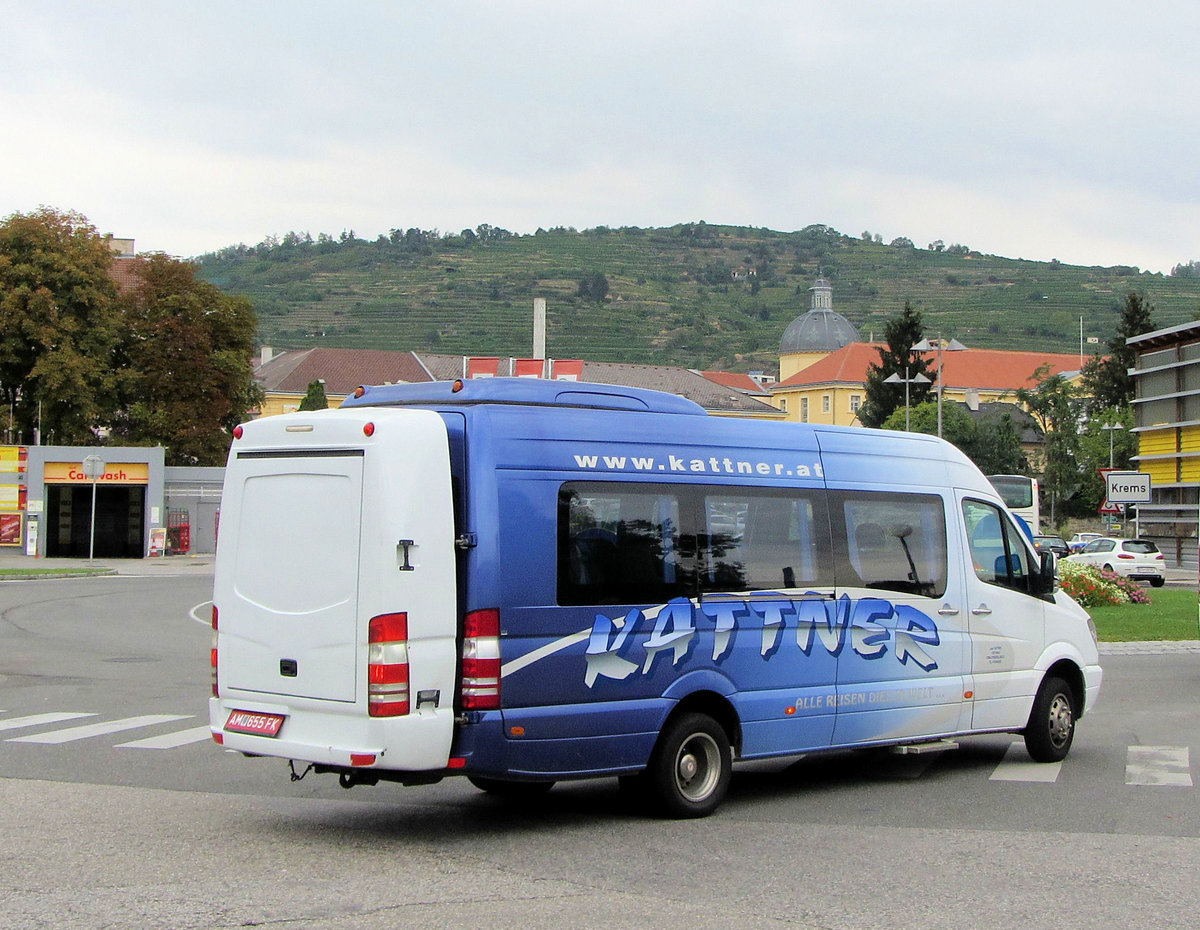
pixel 1167 423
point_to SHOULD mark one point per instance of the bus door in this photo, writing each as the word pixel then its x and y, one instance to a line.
pixel 902 669
pixel 1006 621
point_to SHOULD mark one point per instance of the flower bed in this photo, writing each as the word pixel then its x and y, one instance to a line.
pixel 1090 586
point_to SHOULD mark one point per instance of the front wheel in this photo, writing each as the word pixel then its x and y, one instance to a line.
pixel 691 766
pixel 1051 726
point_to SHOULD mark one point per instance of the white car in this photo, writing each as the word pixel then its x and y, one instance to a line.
pixel 1079 540
pixel 1136 559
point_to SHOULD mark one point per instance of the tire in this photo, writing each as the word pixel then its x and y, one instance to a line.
pixel 1158 582
pixel 510 789
pixel 1109 568
pixel 690 768
pixel 1051 727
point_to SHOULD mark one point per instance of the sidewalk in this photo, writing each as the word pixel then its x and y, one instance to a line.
pixel 13 561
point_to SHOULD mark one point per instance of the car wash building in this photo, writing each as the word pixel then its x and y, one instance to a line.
pixel 126 485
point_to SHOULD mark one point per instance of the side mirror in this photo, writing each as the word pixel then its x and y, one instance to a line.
pixel 1048 572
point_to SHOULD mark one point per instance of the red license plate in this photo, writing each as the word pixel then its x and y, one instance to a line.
pixel 248 721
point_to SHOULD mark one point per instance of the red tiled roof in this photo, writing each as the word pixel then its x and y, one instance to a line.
pixel 734 380
pixel 984 369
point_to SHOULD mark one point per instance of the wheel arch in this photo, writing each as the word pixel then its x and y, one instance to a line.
pixel 714 705
pixel 1070 672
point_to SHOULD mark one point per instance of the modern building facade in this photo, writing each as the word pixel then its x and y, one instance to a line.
pixel 1166 409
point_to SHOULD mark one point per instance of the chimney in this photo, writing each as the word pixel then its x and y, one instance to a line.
pixel 972 399
pixel 266 355
pixel 539 327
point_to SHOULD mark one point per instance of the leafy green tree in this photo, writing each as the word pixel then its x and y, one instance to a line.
pixel 993 444
pixel 1095 443
pixel 900 333
pixel 186 376
pixel 314 398
pixel 593 286
pixel 1054 404
pixel 58 325
pixel 1107 381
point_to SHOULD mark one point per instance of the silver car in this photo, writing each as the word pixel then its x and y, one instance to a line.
pixel 1136 559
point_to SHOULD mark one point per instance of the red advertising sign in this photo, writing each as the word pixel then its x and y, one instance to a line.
pixel 528 367
pixel 482 368
pixel 568 369
pixel 10 529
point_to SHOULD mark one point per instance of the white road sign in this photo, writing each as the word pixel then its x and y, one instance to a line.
pixel 1127 487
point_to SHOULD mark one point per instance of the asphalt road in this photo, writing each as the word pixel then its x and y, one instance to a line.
pixel 141 821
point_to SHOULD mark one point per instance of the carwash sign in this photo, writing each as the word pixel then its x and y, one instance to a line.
pixel 1127 487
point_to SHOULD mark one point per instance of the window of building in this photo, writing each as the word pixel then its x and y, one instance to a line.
pixel 803 409
pixel 855 402
pixel 825 403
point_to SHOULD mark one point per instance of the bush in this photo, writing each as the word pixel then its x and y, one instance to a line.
pixel 1092 587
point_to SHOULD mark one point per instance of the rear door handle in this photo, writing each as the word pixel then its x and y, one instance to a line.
pixel 947 610
pixel 981 611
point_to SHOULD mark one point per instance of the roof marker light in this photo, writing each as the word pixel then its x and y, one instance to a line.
pixel 368 429
pixel 237 431
pixel 456 386
pixel 360 390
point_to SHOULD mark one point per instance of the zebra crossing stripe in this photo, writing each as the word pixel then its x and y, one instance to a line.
pixel 170 740
pixel 1158 765
pixel 1017 766
pixel 37 720
pixel 97 729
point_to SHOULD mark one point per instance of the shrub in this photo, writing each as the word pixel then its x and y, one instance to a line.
pixel 1092 587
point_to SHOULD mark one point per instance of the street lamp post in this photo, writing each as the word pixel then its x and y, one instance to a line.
pixel 906 381
pixel 1111 429
pixel 952 346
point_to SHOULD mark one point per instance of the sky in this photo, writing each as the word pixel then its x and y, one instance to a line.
pixel 1063 130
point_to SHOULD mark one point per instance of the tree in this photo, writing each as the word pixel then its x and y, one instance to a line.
pixel 186 376
pixel 992 444
pixel 901 334
pixel 593 287
pixel 315 398
pixel 58 325
pixel 1054 405
pixel 1107 380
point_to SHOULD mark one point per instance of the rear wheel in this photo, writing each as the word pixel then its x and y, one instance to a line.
pixel 510 789
pixel 1051 726
pixel 1158 582
pixel 691 766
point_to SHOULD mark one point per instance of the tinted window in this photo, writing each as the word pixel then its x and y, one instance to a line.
pixel 894 542
pixel 763 540
pixel 1140 545
pixel 620 544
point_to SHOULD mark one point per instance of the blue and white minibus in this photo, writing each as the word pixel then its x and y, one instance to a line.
pixel 526 581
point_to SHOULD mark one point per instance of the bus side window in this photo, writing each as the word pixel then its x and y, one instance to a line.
pixel 764 540
pixel 890 541
pixel 619 545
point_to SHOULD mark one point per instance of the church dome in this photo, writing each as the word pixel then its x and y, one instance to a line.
pixel 822 329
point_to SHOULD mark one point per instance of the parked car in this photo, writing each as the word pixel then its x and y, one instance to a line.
pixel 1079 540
pixel 1136 559
pixel 1055 544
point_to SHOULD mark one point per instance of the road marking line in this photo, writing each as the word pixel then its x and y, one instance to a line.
pixel 1158 765
pixel 205 621
pixel 170 740
pixel 98 729
pixel 1017 766
pixel 36 720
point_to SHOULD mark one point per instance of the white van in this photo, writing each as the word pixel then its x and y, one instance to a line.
pixel 525 581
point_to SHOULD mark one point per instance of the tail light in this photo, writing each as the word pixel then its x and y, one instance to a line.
pixel 212 655
pixel 387 666
pixel 481 660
